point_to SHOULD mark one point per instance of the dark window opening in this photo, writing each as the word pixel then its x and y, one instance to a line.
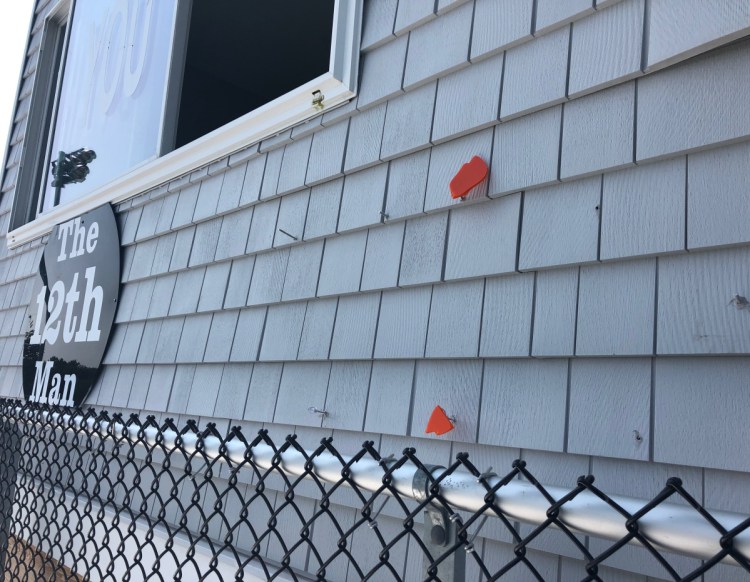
pixel 241 55
pixel 33 167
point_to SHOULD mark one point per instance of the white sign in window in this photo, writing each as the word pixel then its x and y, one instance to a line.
pixel 113 89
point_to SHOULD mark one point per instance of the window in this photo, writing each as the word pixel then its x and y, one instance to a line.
pixel 241 55
pixel 158 88
pixel 40 116
pixel 111 98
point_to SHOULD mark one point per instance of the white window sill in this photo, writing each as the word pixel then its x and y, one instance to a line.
pixel 289 110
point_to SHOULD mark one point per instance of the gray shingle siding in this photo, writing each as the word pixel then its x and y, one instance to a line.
pixel 593 285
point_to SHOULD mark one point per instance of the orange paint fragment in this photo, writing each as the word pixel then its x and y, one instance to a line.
pixel 439 422
pixel 469 176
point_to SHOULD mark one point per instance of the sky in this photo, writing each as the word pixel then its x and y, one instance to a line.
pixel 15 17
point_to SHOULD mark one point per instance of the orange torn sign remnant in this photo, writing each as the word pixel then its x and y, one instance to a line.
pixel 469 176
pixel 440 422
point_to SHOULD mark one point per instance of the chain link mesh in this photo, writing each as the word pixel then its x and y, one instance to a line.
pixel 86 501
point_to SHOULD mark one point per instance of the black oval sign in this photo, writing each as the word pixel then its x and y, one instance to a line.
pixel 72 309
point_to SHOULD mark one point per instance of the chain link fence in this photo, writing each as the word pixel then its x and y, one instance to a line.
pixel 89 496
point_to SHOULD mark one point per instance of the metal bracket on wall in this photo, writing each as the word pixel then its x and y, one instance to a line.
pixel 440 533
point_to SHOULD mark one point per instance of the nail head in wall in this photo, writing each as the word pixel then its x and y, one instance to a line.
pixel 440 423
pixel 739 302
pixel 468 177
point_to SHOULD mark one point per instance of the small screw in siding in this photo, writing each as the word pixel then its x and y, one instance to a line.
pixel 637 436
pixel 315 410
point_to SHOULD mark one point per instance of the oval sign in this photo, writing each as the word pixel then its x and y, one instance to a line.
pixel 72 309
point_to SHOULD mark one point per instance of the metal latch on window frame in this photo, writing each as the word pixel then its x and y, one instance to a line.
pixel 317 101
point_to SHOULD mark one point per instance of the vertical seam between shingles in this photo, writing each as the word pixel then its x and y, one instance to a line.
pixel 569 60
pixel 333 328
pixel 179 339
pixel 656 304
pixel 192 245
pixel 275 224
pixel 234 335
pixel 346 144
pixel 426 181
pixel 406 58
pixel 208 335
pixel 382 135
pixel 429 315
pixel 646 31
pixel 533 17
pixel 262 334
pixel 652 411
pixel 278 391
pixel 250 281
pixel 575 321
pixel 384 206
pixel 325 397
pixel 445 244
pixel 377 326
pixel 218 391
pixel 434 109
pixel 635 121
pixel 309 156
pixel 286 269
pixel 481 395
pixel 490 163
pixel 226 286
pixel 412 398
pixel 687 199
pixel 364 260
pixel 560 143
pixel 281 167
pixel 471 30
pixel 301 330
pixel 367 398
pixel 401 254
pixel 260 186
pixel 140 340
pixel 600 214
pixel 304 224
pixel 533 314
pixel 566 431
pixel 171 385
pixel 518 234
pixel 481 318
pixel 320 267
pixel 203 282
pixel 247 391
pixel 341 202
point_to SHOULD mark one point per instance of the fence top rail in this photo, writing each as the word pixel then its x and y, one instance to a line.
pixel 687 529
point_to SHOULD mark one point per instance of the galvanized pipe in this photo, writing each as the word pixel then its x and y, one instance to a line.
pixel 669 527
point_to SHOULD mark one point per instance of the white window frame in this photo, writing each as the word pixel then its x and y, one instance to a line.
pixel 338 85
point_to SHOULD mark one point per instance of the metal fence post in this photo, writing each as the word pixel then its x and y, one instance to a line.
pixel 439 535
pixel 10 456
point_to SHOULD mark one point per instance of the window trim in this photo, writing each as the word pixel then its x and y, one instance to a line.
pixel 45 98
pixel 338 86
